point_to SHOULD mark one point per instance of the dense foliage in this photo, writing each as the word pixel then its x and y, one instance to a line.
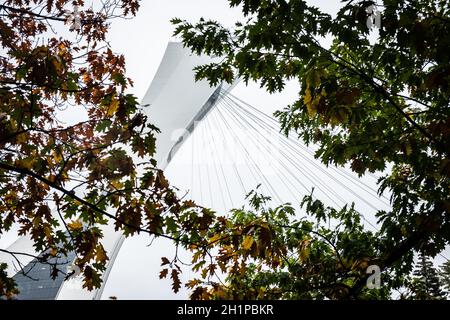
pixel 444 274
pixel 379 106
pixel 426 284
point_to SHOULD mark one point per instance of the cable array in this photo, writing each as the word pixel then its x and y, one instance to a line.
pixel 237 147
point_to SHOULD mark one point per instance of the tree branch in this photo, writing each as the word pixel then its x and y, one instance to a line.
pixel 88 204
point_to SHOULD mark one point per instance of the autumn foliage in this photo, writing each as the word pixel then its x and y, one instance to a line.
pixel 61 181
pixel 373 98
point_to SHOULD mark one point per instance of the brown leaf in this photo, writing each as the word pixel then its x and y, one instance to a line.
pixel 176 284
pixel 164 261
pixel 163 273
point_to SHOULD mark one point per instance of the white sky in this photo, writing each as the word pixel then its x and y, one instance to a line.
pixel 144 38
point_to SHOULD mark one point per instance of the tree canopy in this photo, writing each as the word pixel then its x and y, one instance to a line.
pixel 379 106
pixel 426 283
pixel 444 274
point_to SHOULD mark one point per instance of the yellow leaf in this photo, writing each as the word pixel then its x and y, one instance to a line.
pixel 338 116
pixel 62 48
pixel 64 175
pixel 57 156
pixel 408 149
pixel 53 252
pixel 304 254
pixel 307 99
pixel 57 64
pixel 21 138
pixel 48 232
pixel 75 225
pixel 86 78
pixel 247 242
pixel 113 107
pixel 101 254
pixel 26 163
pixel 204 273
pixel 261 292
pixel 117 184
pixel 196 256
pixel 64 90
pixel 214 238
pixel 304 249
